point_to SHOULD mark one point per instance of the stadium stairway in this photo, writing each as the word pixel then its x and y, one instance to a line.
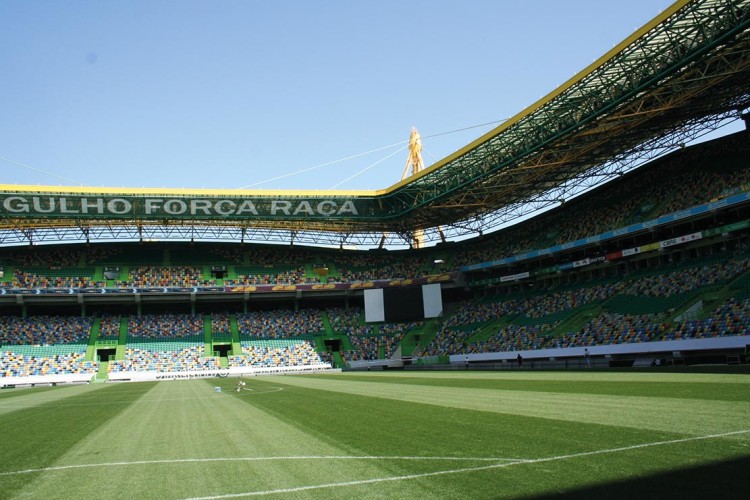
pixel 207 331
pixel 644 304
pixel 346 343
pixel 426 335
pixel 102 373
pixel 578 319
pixel 122 341
pixel 338 361
pixel 231 274
pixel 488 330
pixel 208 341
pixel 737 288
pixel 98 274
pixel 718 297
pixel 310 273
pixel 740 287
pixel 327 328
pixel 10 271
pixel 91 348
pixel 409 345
pixel 236 343
pixel 548 319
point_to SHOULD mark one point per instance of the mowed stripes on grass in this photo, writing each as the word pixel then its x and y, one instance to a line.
pixel 389 435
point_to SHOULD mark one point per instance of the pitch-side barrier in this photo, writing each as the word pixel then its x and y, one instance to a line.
pixel 243 371
pixel 144 376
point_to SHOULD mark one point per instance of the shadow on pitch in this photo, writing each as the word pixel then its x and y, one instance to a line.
pixel 726 479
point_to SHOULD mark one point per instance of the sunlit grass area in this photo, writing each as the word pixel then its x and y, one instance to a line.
pixel 384 435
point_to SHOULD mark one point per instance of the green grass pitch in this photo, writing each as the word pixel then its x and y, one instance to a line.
pixel 383 435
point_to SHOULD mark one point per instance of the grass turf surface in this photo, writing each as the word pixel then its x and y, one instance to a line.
pixel 389 435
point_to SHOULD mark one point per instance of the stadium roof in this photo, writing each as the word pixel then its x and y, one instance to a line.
pixel 678 77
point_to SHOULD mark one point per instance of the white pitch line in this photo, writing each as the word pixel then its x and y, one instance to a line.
pixel 469 469
pixel 266 391
pixel 149 400
pixel 255 459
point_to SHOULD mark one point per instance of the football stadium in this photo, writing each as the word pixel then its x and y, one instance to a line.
pixel 560 308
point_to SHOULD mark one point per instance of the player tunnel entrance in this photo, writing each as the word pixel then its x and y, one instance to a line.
pixel 222 349
pixel 332 345
pixel 105 354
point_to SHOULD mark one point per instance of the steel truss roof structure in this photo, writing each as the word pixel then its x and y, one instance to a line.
pixel 682 75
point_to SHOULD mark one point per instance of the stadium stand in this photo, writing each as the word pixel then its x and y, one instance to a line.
pixel 55 278
pixel 696 289
pixel 30 361
pixel 162 276
pixel 707 173
pixel 534 320
pixel 45 346
pixel 282 324
pixel 165 357
pixel 166 326
pixel 109 327
pixel 44 330
pixel 638 307
pixel 275 354
pixel 221 325
pixel 270 275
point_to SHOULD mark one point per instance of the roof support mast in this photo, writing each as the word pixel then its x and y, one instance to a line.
pixel 414 165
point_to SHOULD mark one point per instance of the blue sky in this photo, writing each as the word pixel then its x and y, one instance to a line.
pixel 228 94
